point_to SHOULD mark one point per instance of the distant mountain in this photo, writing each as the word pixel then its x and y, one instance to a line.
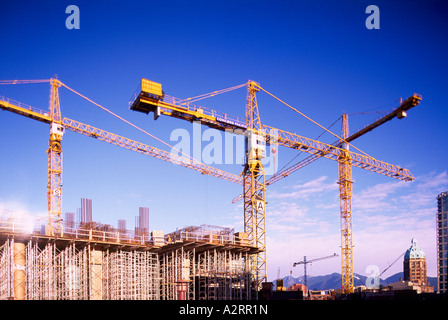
pixel 330 281
pixel 394 278
pixel 334 281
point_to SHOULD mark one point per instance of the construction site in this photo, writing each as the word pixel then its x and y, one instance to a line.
pixel 194 263
pixel 64 260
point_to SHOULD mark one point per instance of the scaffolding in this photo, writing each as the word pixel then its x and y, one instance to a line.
pixel 131 275
pixel 205 263
pixel 55 272
pixel 6 271
pixel 223 275
pixel 81 272
pixel 177 271
pixel 194 263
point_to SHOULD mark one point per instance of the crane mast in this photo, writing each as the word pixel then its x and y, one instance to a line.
pixel 54 188
pixel 345 199
pixel 254 186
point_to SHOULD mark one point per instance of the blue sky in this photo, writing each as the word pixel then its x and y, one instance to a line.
pixel 316 55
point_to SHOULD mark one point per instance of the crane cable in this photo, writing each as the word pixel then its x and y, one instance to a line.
pixel 316 123
pixel 128 122
pixel 211 94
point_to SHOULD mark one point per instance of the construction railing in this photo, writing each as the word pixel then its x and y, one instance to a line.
pixel 21 224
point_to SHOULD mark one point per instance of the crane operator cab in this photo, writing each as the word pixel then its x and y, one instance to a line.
pixel 57 129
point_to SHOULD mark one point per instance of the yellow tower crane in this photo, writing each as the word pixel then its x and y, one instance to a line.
pixel 150 97
pixel 345 181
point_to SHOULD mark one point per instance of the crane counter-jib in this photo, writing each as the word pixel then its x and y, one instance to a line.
pixel 24 110
pixel 150 97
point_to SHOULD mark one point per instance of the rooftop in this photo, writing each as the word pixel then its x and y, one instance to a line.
pixel 414 252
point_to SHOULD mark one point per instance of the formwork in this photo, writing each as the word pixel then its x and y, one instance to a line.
pixel 205 263
pixel 194 263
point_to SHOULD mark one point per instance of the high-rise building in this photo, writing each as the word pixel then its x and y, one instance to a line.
pixel 142 221
pixel 442 241
pixel 86 210
pixel 414 266
pixel 69 219
pixel 122 225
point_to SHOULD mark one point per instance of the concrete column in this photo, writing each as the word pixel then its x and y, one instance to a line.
pixel 19 277
pixel 96 279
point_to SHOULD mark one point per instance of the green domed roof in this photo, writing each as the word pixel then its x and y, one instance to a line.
pixel 414 251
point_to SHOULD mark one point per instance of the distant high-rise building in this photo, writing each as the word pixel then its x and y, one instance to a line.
pixel 142 221
pixel 414 266
pixel 69 221
pixel 86 210
pixel 122 225
pixel 442 241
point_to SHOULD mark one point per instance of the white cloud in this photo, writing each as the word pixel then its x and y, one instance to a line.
pixel 386 217
pixel 295 217
pixel 304 191
pixel 426 190
pixel 397 205
pixel 376 198
pixel 433 180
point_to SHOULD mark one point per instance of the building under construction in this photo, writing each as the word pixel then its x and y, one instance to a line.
pixel 188 264
pixel 99 263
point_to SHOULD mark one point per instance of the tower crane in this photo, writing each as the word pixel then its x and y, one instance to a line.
pixel 150 97
pixel 58 125
pixel 305 262
pixel 345 182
